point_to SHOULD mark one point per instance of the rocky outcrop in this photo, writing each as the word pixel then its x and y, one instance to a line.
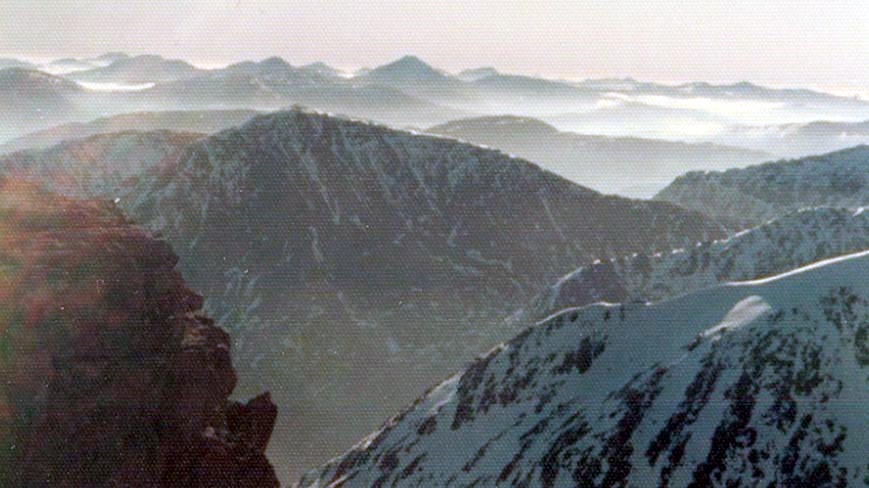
pixel 111 377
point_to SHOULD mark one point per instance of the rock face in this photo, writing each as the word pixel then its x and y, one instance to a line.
pixel 758 383
pixel 794 240
pixel 111 378
pixel 759 193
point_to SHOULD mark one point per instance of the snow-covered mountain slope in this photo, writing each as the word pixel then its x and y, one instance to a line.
pixel 760 383
pixel 794 240
pixel 318 239
pixel 759 193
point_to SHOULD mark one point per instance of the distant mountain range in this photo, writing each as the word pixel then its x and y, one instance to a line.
pixel 753 383
pixel 317 240
pixel 628 166
pixel 762 192
pixel 273 83
pixel 409 92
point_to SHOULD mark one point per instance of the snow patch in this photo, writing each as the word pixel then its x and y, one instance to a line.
pixel 443 394
pixel 743 313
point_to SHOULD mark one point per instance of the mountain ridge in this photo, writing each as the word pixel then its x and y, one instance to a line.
pixel 794 240
pixel 730 397
pixel 764 191
pixel 316 238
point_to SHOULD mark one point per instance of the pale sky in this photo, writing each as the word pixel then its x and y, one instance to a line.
pixel 820 44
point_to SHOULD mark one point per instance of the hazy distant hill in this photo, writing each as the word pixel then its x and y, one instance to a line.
pixel 475 74
pixel 15 63
pixel 139 69
pixel 794 140
pixel 629 166
pixel 30 99
pixel 745 90
pixel 614 117
pixel 199 121
pixel 413 76
pixel 322 69
pixel 67 65
pixel 759 193
pixel 528 86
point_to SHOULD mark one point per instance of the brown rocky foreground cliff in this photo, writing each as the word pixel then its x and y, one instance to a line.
pixel 109 376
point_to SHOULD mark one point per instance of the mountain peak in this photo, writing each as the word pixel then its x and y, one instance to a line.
pixel 406 68
pixel 31 78
pixel 321 68
pixel 111 56
pixel 275 62
pixel 410 60
pixel 519 126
